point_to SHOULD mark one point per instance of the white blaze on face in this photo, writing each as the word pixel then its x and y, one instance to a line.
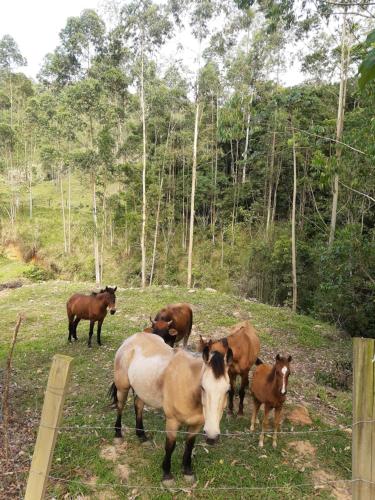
pixel 214 399
pixel 284 371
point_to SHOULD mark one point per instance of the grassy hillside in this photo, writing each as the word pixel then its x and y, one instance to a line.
pixel 88 456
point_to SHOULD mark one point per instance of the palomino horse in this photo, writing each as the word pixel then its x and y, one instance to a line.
pixel 173 323
pixel 192 391
pixel 92 307
pixel 244 342
pixel 269 386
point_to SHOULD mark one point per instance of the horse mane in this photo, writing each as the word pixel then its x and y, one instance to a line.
pixel 217 364
pixel 94 294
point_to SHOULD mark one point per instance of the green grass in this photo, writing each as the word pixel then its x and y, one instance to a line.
pixel 234 462
pixel 11 269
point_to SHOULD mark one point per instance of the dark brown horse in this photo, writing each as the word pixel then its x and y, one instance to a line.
pixel 92 307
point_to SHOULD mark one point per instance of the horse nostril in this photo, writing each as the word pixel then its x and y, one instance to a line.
pixel 212 441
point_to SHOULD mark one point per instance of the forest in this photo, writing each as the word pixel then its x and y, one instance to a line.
pixel 121 166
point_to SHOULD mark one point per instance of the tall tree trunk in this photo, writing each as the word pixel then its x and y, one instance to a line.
pixel 214 215
pixel 270 187
pixel 345 53
pixel 96 243
pixel 156 228
pixel 294 256
pixel 183 242
pixel 30 190
pixel 158 208
pixel 247 139
pixel 275 192
pixel 69 211
pixel 63 213
pixel 192 198
pixel 144 201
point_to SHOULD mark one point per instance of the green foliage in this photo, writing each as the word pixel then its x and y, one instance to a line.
pixel 366 69
pixel 36 273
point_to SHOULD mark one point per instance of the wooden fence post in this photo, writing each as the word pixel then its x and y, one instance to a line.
pixel 363 444
pixel 49 421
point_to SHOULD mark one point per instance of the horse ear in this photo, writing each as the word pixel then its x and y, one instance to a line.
pixel 278 357
pixel 290 359
pixel 173 332
pixel 148 330
pixel 152 321
pixel 229 356
pixel 106 289
pixel 206 354
pixel 115 289
pixel 170 322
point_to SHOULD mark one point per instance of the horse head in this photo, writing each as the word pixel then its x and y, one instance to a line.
pixel 111 297
pixel 164 330
pixel 282 372
pixel 214 390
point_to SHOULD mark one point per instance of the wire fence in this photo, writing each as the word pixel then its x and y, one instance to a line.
pixel 337 483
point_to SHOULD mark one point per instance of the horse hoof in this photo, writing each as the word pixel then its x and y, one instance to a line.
pixel 274 444
pixel 89 345
pixel 240 414
pixel 260 445
pixel 118 440
pixel 168 482
pixel 189 478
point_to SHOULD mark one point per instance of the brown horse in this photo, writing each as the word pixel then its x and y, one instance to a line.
pixel 191 391
pixel 269 386
pixel 244 342
pixel 173 323
pixel 92 307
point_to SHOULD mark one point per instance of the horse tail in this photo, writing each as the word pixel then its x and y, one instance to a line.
pixel 112 393
pixel 258 362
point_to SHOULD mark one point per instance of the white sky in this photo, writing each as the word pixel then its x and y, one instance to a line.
pixel 35 26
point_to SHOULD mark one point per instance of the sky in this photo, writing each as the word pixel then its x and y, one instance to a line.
pixel 35 26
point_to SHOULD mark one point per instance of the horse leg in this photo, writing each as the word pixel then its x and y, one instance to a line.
pixel 244 384
pixel 74 328
pixel 92 323
pixel 267 409
pixel 276 425
pixel 189 445
pixel 71 327
pixel 232 379
pixel 256 406
pixel 100 322
pixel 121 400
pixel 171 428
pixel 138 408
pixel 186 338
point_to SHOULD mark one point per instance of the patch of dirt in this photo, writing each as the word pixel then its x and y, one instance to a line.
pixel 109 453
pixel 113 452
pixel 303 448
pixel 299 416
pixel 339 489
pixel 123 472
pixel 13 252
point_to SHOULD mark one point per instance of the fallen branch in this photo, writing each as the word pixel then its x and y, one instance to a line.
pixel 5 399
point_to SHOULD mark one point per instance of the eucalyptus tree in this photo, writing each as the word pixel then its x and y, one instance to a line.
pixel 81 40
pixel 144 27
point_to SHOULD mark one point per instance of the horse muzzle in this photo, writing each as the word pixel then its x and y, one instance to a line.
pixel 212 441
pixel 112 311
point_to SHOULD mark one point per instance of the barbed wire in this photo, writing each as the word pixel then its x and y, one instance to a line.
pixel 224 434
pixel 210 488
